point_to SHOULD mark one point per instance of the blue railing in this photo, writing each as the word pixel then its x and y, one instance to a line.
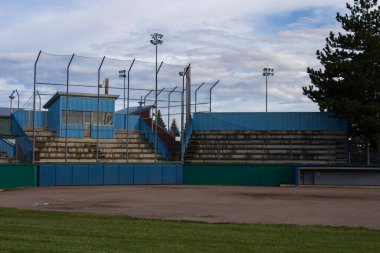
pixel 149 134
pixel 23 143
pixel 8 147
pixel 188 132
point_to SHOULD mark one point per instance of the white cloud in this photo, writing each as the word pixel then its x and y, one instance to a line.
pixel 227 40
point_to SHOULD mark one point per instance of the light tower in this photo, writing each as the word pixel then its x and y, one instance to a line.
pixel 267 72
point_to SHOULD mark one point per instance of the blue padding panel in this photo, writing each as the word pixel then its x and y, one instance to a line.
pixel 80 174
pixel 47 175
pixel 169 174
pixel 111 174
pixel 63 174
pixel 141 174
pixel 95 175
pixel 179 174
pixel 155 174
pixel 125 174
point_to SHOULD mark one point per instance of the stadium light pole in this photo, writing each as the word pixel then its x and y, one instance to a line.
pixel 123 74
pixel 11 97
pixel 156 40
pixel 183 74
pixel 267 72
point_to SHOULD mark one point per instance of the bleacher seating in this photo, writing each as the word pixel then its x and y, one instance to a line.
pixel 252 146
pixel 51 148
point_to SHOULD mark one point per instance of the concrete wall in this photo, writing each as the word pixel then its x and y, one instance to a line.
pixel 238 174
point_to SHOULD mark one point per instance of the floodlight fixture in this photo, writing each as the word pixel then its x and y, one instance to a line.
pixel 156 39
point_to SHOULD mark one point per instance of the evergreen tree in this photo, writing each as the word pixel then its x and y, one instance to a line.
pixel 349 83
pixel 174 128
pixel 160 121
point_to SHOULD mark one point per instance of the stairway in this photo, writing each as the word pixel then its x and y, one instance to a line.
pixel 51 148
pixel 289 147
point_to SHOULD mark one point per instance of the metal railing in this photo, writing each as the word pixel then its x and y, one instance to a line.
pixel 24 146
pixel 8 147
pixel 151 137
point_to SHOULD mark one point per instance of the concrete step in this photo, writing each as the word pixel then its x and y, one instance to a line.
pixel 285 161
pixel 94 160
pixel 262 157
pixel 266 151
pixel 140 144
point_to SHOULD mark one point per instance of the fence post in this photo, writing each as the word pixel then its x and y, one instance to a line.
pixel 34 106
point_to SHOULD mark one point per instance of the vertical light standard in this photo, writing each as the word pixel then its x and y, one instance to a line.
pixel 123 74
pixel 156 40
pixel 267 72
pixel 11 97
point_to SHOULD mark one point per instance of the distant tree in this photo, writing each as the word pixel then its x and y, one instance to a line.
pixel 174 128
pixel 160 121
pixel 349 83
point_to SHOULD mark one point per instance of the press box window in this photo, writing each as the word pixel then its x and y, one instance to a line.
pixel 105 118
pixel 73 117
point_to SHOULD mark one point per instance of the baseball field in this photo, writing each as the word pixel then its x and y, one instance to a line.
pixel 189 219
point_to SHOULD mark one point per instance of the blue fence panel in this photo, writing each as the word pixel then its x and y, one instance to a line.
pixel 169 174
pixel 179 174
pixel 141 174
pixel 95 175
pixel 8 147
pixel 111 174
pixel 80 175
pixel 64 174
pixel 126 174
pixel 155 174
pixel 46 175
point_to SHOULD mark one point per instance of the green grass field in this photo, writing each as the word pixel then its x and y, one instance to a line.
pixel 34 231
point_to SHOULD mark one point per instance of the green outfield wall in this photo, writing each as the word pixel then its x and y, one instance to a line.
pixel 18 175
pixel 238 174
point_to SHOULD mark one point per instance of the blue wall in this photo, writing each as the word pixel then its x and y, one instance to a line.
pixel 133 121
pixel 104 131
pixel 55 117
pixel 25 118
pixel 88 104
pixel 83 104
pixel 109 174
pixel 268 121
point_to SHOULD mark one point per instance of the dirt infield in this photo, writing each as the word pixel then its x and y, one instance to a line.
pixel 281 205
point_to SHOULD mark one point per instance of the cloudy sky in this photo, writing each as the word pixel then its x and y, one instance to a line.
pixel 230 41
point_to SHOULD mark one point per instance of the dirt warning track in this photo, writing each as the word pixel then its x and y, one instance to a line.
pixel 281 205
